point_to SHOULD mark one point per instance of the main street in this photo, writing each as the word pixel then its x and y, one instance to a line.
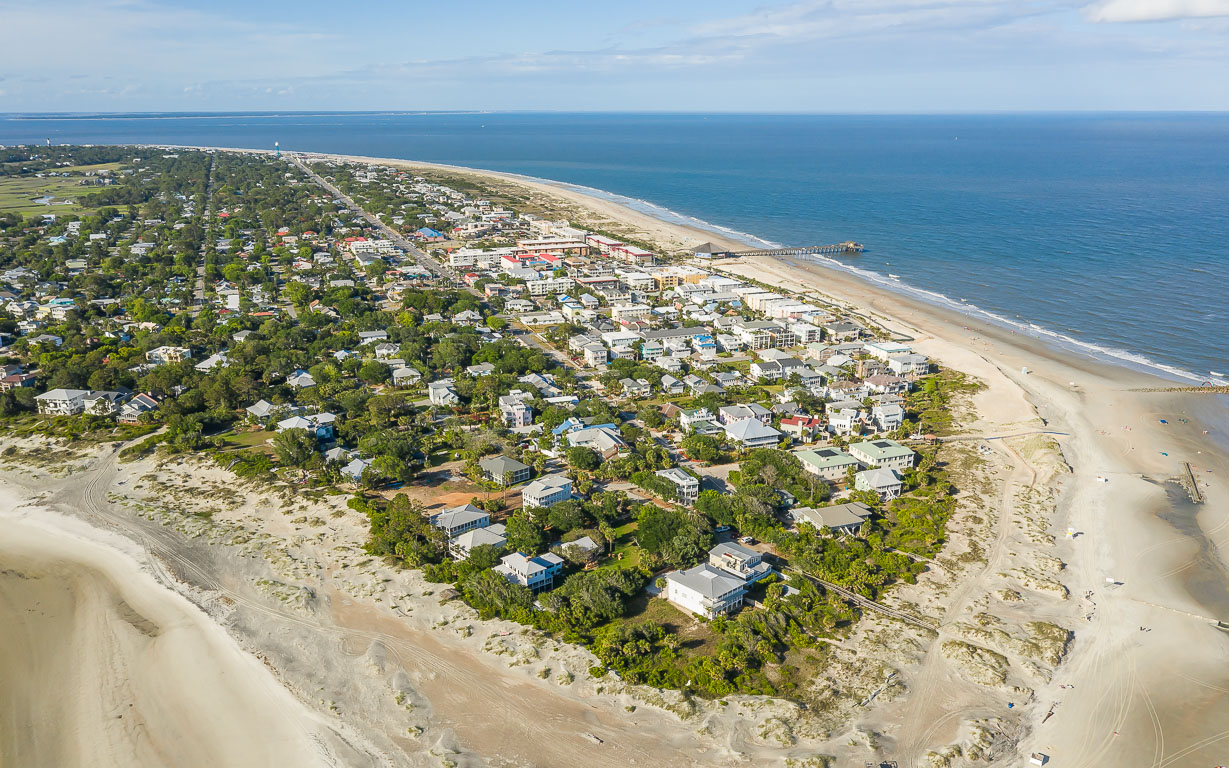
pixel 391 234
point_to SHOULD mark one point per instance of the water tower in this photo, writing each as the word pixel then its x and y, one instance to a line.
pixel 277 149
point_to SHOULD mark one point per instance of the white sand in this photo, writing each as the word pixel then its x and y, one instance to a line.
pixel 102 666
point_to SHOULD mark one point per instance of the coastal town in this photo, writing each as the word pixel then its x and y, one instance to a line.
pixel 654 472
pixel 628 421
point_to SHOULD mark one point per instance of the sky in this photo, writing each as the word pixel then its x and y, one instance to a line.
pixel 843 56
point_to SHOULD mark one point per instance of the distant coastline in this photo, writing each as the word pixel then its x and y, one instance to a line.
pixel 698 228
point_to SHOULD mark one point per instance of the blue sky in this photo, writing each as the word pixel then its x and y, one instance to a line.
pixel 681 55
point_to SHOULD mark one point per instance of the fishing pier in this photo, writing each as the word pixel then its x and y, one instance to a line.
pixel 846 247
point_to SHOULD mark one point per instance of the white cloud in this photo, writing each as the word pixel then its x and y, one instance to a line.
pixel 1155 10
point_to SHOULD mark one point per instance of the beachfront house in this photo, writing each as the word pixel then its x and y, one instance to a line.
pixel 704 590
pixel 492 535
pixel 457 520
pixel 886 454
pixel 838 518
pixel 885 482
pixel 830 464
pixel 61 402
pixel 537 573
pixel 737 560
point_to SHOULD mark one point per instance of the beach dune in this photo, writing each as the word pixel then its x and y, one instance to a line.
pixel 102 666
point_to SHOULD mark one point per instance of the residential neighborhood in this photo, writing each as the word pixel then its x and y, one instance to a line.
pixel 514 402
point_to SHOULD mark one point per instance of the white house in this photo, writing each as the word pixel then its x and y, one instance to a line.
pixel 457 520
pixel 61 402
pixel 737 560
pixel 300 379
pixel 885 482
pixel 162 355
pixel 886 454
pixel 441 393
pixel 686 487
pixel 491 535
pixel 537 573
pixel 705 590
pixel 546 491
pixel 751 433
pixel 830 464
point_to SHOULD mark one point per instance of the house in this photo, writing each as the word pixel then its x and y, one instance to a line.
pixel 16 380
pixel 595 355
pixel 636 387
pixel 300 379
pixel 845 421
pixel 481 369
pixel 887 454
pixel 728 414
pixel 61 402
pixel 686 487
pixel 888 417
pixel 372 337
pixel 842 330
pixel 838 518
pixel 103 403
pixel 457 520
pixel 751 433
pixel 737 560
pixel 584 547
pixel 162 355
pixel 264 410
pixel 354 470
pixel 464 543
pixel 546 491
pixel 406 377
pixel 907 365
pixel 442 394
pixel 537 573
pixel 804 428
pixel 704 590
pixel 603 438
pixel 885 482
pixel 503 470
pixel 830 464
pixel 514 411
pixel 671 385
pixel 690 417
pixel 130 412
pixel 216 360
pixel 319 424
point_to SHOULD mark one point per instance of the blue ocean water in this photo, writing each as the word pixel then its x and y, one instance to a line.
pixel 1106 232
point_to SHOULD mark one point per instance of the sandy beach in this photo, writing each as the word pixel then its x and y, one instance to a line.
pixel 103 666
pixel 402 680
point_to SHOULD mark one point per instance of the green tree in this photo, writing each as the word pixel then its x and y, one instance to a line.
pixel 294 447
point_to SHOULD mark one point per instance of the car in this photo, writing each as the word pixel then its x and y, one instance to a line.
pixel 746 540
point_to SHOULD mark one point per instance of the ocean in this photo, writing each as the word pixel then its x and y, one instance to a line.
pixel 1104 233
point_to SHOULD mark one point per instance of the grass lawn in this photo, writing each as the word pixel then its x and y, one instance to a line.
pixel 625 546
pixel 249 439
pixel 17 195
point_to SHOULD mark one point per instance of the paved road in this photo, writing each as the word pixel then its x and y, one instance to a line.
pixel 199 295
pixel 427 261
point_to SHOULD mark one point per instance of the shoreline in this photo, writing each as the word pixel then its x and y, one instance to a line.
pixel 141 675
pixel 1168 557
pixel 685 229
